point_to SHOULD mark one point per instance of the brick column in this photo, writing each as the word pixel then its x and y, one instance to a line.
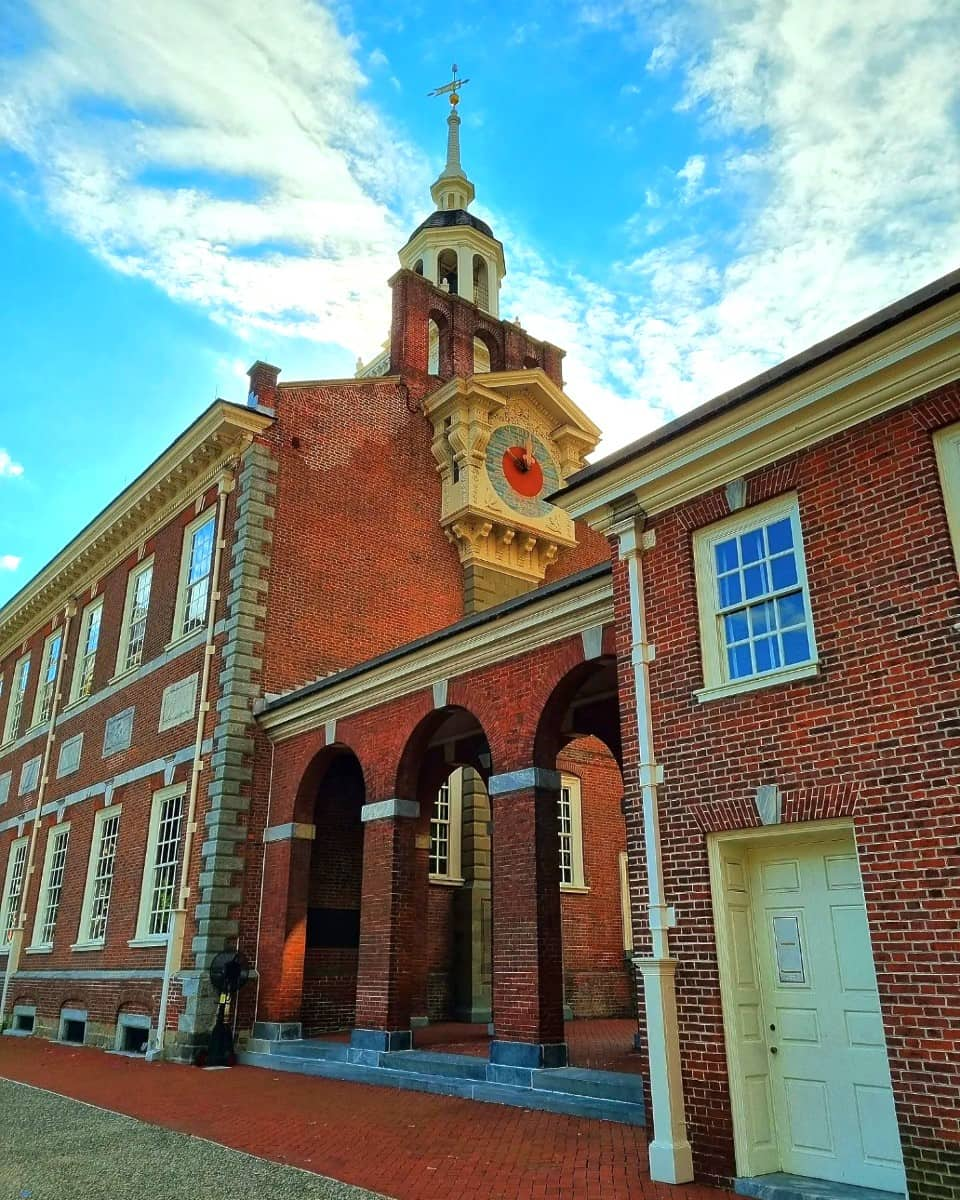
pixel 527 939
pixel 283 926
pixel 388 934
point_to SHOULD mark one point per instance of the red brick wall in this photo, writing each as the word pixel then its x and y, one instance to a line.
pixel 135 798
pixel 874 735
pixel 596 982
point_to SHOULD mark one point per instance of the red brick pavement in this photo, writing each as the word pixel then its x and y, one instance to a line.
pixel 408 1145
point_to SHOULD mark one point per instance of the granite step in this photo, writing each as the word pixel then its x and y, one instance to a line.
pixel 428 1062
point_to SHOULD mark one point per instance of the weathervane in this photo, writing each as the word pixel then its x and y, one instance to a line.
pixel 453 87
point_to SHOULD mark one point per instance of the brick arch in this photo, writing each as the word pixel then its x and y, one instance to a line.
pixel 313 776
pixel 467 751
pixel 136 1003
pixel 442 318
pixel 493 344
pixel 561 723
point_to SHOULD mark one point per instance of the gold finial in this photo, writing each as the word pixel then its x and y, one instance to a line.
pixel 453 87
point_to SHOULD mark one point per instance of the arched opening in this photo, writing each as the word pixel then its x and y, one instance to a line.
pixel 447 271
pixel 332 890
pixel 481 287
pixel 418 266
pixel 439 348
pixel 446 765
pixel 530 363
pixel 579 736
pixel 481 356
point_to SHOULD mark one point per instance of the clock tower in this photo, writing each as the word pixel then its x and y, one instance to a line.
pixel 505 435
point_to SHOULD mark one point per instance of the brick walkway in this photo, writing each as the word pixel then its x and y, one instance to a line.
pixel 409 1145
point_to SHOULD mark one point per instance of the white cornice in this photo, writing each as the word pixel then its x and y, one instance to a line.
pixel 189 465
pixel 583 606
pixel 889 370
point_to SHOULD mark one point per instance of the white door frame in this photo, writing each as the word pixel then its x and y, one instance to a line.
pixel 750 839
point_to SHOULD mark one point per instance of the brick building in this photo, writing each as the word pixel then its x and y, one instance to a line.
pixel 375 681
pixel 141 831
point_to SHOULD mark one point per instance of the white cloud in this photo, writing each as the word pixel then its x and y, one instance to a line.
pixel 9 468
pixel 9 562
pixel 691 176
pixel 831 128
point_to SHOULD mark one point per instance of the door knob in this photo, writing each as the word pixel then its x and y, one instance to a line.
pixel 773 1049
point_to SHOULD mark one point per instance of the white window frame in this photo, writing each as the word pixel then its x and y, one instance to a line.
pixel 454 823
pixel 84 940
pixel 716 678
pixel 43 701
pixel 181 609
pixel 80 688
pixel 18 691
pixel 151 867
pixel 946 443
pixel 126 626
pixel 626 909
pixel 572 786
pixel 8 911
pixel 51 886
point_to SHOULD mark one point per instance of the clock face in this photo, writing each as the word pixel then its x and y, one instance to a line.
pixel 521 470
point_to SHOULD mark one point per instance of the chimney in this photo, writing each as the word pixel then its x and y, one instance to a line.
pixel 263 384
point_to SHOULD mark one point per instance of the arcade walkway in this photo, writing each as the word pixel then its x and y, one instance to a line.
pixel 407 1145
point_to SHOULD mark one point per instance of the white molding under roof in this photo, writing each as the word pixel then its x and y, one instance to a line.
pixel 190 464
pixel 895 366
pixel 508 635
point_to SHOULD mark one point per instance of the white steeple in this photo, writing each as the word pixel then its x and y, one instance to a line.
pixel 452 248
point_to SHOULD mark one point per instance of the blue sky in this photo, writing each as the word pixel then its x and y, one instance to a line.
pixel 688 192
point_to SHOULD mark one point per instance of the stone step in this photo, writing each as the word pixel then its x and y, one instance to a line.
pixel 582 1081
pixel 310 1048
pixel 428 1062
pixel 780 1186
pixel 468 1087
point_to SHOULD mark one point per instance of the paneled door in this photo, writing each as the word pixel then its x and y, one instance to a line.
pixel 829 1076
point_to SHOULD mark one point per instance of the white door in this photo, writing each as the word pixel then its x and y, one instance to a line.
pixel 829 1077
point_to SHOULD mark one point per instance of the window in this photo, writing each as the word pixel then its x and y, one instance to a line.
pixel 158 892
pixel 96 896
pixel 947 445
pixel 755 621
pixel 571 834
pixel 18 690
pixel 51 886
pixel 625 911
pixel 43 705
pixel 134 628
pixel 445 830
pixel 12 890
pixel 196 566
pixel 87 644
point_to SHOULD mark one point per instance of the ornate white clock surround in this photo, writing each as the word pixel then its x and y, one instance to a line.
pixel 465 414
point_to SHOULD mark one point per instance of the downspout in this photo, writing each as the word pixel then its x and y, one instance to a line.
pixel 669 1151
pixel 178 918
pixel 16 940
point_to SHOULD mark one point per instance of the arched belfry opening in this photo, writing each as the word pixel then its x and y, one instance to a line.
pixel 481 284
pixel 331 891
pixel 447 271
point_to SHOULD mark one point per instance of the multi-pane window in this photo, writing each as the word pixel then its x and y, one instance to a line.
pixel 51 886
pixel 47 686
pixel 755 611
pixel 135 618
pixel 158 896
pixel 445 828
pixel 87 645
pixel 440 832
pixel 196 585
pixel 100 881
pixel 13 889
pixel 18 690
pixel 566 837
pixel 570 825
